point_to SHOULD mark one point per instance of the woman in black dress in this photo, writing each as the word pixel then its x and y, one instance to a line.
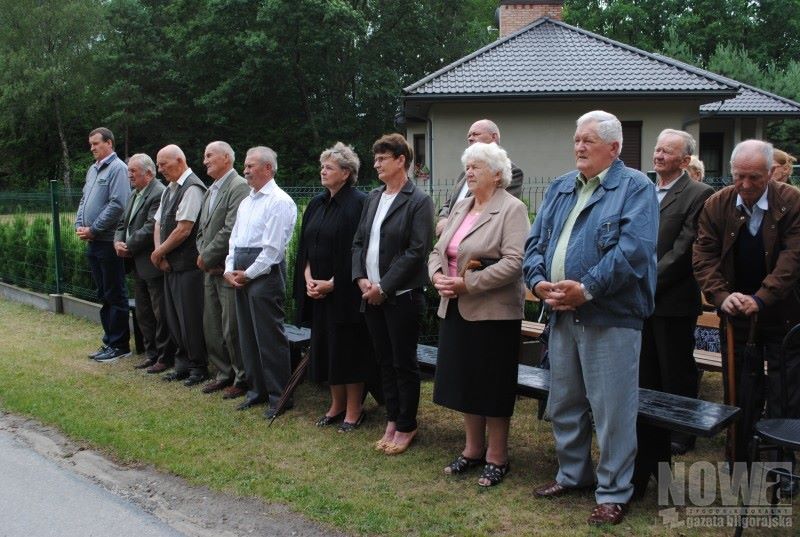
pixel 325 294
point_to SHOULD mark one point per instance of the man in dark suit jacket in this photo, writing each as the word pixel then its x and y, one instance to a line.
pixel 486 131
pixel 133 241
pixel 667 355
pixel 217 216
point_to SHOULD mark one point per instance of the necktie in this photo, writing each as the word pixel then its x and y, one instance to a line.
pixel 137 200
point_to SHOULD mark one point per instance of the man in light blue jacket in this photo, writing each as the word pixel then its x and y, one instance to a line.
pixel 105 196
pixel 591 257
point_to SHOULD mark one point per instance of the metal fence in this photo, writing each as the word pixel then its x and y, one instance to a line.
pixel 40 251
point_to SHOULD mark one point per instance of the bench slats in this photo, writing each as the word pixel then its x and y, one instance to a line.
pixel 673 412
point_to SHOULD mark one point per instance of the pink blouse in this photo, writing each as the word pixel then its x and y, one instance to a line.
pixel 455 242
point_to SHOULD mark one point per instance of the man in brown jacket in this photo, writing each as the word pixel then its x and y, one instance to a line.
pixel 753 219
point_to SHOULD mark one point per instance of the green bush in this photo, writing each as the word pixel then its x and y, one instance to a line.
pixel 15 249
pixel 27 258
pixel 38 271
pixel 77 278
pixel 3 249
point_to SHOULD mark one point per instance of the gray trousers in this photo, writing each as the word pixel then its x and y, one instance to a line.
pixel 221 330
pixel 260 314
pixel 183 304
pixel 149 295
pixel 594 368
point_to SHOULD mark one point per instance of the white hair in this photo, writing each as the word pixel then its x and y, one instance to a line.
pixel 144 161
pixel 690 146
pixel 609 128
pixel 224 148
pixel 758 145
pixel 697 164
pixel 265 155
pixel 495 158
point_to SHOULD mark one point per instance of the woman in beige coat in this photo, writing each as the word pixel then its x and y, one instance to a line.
pixel 477 269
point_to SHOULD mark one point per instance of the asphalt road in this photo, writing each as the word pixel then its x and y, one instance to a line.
pixel 40 499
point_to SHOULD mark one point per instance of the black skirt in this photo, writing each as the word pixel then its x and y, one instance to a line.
pixel 341 353
pixel 476 372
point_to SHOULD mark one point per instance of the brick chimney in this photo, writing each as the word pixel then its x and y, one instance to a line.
pixel 514 14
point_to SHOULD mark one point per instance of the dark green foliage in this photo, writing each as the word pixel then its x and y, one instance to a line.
pixel 77 278
pixel 38 272
pixel 296 75
pixel 15 248
pixel 4 259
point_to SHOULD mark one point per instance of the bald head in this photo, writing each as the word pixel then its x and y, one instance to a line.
pixel 484 131
pixel 171 162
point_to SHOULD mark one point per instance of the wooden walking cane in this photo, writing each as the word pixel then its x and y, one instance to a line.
pixel 731 383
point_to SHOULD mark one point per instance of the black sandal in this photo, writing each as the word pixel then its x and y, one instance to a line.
pixel 326 420
pixel 493 473
pixel 461 464
pixel 348 427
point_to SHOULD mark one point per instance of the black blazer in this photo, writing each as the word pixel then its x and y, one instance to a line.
pixel 346 295
pixel 140 244
pixel 677 292
pixel 406 239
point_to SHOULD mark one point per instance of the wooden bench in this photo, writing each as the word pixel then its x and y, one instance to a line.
pixel 673 412
pixel 298 337
pixel 705 360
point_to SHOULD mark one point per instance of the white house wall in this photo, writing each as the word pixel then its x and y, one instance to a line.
pixel 538 136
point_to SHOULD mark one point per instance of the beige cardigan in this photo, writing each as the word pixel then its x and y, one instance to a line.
pixel 496 292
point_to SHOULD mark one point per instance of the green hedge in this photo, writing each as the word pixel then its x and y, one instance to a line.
pixel 27 259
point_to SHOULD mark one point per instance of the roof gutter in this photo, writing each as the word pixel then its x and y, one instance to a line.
pixel 568 96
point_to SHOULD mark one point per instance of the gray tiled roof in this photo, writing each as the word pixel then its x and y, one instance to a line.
pixel 752 101
pixel 551 58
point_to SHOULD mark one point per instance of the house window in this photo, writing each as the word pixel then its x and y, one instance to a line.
pixel 419 150
pixel 711 144
pixel 631 153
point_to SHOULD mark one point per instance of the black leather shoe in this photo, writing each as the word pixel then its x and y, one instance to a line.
pixel 175 375
pixel 248 403
pixel 195 378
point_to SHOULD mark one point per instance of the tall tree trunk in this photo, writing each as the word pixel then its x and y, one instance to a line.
pixel 64 150
pixel 302 86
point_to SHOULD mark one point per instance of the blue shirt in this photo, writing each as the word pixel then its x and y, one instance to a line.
pixel 756 213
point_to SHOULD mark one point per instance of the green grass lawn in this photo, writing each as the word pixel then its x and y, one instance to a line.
pixel 332 478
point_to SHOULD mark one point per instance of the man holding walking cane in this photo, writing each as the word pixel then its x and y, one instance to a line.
pixel 754 219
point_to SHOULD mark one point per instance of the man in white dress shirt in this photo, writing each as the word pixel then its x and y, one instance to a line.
pixel 256 267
